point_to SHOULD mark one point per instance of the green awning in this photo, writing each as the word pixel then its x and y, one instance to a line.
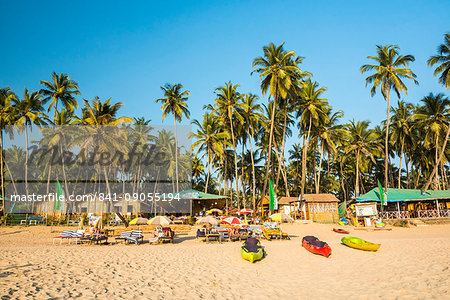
pixel 194 194
pixel 399 195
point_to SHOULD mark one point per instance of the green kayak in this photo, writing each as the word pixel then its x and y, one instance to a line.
pixel 360 244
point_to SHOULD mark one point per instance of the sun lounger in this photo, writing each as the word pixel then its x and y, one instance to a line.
pixel 153 239
pixel 69 235
pixel 168 235
pixel 200 234
pixel 135 237
pixel 98 238
pixel 28 221
pixel 223 232
pixel 123 236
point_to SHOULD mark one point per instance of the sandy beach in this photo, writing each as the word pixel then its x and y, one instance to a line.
pixel 412 263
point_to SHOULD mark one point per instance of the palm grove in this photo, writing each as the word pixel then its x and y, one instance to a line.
pixel 240 143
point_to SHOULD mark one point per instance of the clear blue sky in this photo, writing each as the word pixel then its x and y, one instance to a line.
pixel 128 50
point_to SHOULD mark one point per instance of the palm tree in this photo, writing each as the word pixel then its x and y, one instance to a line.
pixel 57 137
pixel 401 130
pixel 140 137
pixel 361 141
pixel 311 109
pixel 7 115
pixel 329 134
pixel 276 72
pixel 444 59
pixel 209 138
pixel 434 116
pixel 99 116
pixel 197 169
pixel 60 89
pixel 174 102
pixel 390 69
pixel 29 112
pixel 252 114
pixel 227 105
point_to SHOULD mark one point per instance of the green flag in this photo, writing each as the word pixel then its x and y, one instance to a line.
pixel 273 204
pixel 383 195
pixel 59 196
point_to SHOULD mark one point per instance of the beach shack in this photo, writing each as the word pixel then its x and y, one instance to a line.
pixel 286 205
pixel 410 203
pixel 202 202
pixel 319 207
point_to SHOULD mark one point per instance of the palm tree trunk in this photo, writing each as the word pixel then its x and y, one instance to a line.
pixel 176 150
pixel 427 185
pixel 357 175
pixel 281 160
pixel 207 176
pixel 235 158
pixel 407 171
pixel 400 167
pixel 436 177
pixel 341 173
pixel 418 177
pixel 386 142
pixel 244 198
pixel 1 171
pixel 253 170
pixel 26 163
pixel 305 152
pixel 320 168
pixel 272 121
pixel 10 175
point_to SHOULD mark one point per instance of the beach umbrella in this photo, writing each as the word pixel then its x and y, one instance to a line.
pixel 245 211
pixel 281 217
pixel 159 220
pixel 138 221
pixel 214 210
pixel 232 221
pixel 208 220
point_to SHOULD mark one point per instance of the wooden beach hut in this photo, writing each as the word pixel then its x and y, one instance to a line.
pixel 410 203
pixel 320 207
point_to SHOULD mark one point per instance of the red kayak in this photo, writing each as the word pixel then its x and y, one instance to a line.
pixel 312 244
pixel 339 230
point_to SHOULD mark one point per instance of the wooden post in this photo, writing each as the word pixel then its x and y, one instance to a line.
pixel 437 206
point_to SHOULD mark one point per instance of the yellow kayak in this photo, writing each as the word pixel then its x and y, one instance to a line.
pixel 360 244
pixel 251 250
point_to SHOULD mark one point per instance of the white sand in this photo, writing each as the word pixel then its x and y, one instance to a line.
pixel 412 263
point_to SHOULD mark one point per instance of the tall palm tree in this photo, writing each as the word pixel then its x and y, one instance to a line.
pixel 100 116
pixel 434 116
pixel 60 89
pixel 401 130
pixel 276 72
pixel 227 105
pixel 252 114
pixel 311 109
pixel 56 137
pixel 174 102
pixel 209 138
pixel 7 115
pixel 361 141
pixel 329 134
pixel 29 112
pixel 443 58
pixel 390 69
